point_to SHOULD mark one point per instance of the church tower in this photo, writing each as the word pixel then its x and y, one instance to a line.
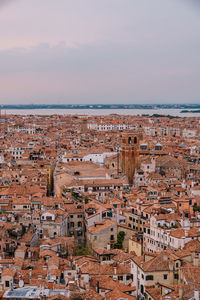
pixel 130 153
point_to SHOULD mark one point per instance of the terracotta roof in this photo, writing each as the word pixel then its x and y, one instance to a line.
pixel 117 294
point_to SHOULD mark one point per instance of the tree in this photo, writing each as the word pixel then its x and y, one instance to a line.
pixel 23 229
pixel 120 239
pixel 83 251
pixel 196 207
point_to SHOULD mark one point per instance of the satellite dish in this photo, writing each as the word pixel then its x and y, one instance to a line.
pixel 21 283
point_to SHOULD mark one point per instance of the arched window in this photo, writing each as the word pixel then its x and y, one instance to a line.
pixel 129 140
pixel 135 140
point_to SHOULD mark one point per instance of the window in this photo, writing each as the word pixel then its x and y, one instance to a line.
pixel 111 229
pixel 175 276
pixel 71 224
pixel 120 277
pixel 79 224
pixel 177 265
pixel 7 283
pixel 149 277
pixel 142 289
pixel 165 276
pixel 95 238
pixel 112 237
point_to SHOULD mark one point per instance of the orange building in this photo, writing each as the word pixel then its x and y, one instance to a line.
pixel 129 154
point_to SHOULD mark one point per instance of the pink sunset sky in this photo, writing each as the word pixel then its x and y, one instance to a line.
pixel 99 51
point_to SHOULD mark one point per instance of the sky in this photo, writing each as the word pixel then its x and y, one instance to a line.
pixel 99 51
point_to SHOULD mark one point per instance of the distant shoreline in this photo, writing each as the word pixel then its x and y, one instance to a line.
pixel 106 106
pixel 189 111
pixel 156 112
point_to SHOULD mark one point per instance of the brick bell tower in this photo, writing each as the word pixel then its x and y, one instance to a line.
pixel 130 153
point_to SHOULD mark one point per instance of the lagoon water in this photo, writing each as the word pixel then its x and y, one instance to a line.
pixel 99 112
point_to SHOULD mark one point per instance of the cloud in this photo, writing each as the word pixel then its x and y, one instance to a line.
pixel 5 2
pixel 110 51
pixel 99 73
pixel 193 3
